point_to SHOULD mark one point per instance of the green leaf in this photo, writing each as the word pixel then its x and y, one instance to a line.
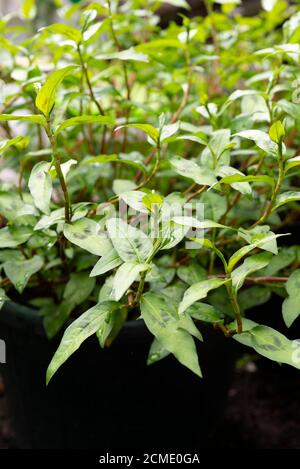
pixel 11 237
pixel 291 305
pixel 130 243
pixel 68 31
pixel 87 234
pixel 166 328
pixel 191 273
pixel 277 132
pixel 198 291
pixel 81 120
pixel 250 265
pixel 284 258
pixel 134 199
pixel 261 242
pixel 157 352
pixel 125 276
pixel 108 262
pixel 82 328
pixel 129 54
pixel 151 131
pixel 292 163
pixel 55 316
pixel 191 170
pixel 253 296
pixel 40 186
pixel 160 44
pixel 45 98
pixel 195 223
pixel 29 9
pixel 111 327
pixel 152 199
pixel 286 198
pixel 229 172
pixel 78 288
pixel 168 131
pixel 206 313
pixel 19 272
pixel 4 144
pixel 241 178
pixel 30 118
pixel 271 344
pixel 261 139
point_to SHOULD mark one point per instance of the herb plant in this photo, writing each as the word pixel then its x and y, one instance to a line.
pixel 151 171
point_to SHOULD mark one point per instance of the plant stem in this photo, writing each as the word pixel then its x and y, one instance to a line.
pixel 235 305
pixel 276 190
pixel 56 158
pixel 154 171
pixel 125 73
pixel 92 95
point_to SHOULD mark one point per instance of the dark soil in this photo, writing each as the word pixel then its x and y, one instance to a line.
pixel 263 410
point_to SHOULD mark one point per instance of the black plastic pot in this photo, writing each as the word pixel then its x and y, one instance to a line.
pixel 110 399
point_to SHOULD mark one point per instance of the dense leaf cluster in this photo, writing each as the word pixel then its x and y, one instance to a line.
pixel 104 109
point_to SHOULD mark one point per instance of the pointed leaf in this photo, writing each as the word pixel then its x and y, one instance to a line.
pixel 81 120
pixel 261 139
pixel 19 272
pixel 250 265
pixel 88 235
pixel 79 330
pixel 125 276
pixel 130 243
pixel 166 329
pixel 151 131
pixel 198 291
pixel 291 305
pixel 40 186
pixel 108 262
pixel 45 98
pixel 189 169
pixel 68 31
pixel 30 118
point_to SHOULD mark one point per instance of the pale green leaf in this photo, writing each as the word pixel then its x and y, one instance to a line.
pixel 11 237
pixel 286 198
pixel 250 265
pixel 261 139
pixel 165 327
pixel 19 272
pixel 291 305
pixel 108 262
pixel 126 274
pixel 68 31
pixel 198 291
pixel 88 235
pixel 130 243
pixel 191 170
pixel 40 186
pixel 271 344
pixel 151 131
pixel 129 54
pixel 79 330
pixel 157 352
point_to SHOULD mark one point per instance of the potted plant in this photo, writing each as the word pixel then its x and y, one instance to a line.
pixel 150 173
